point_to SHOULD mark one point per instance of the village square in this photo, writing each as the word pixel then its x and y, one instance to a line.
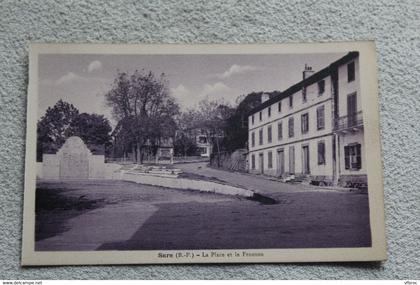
pixel 273 169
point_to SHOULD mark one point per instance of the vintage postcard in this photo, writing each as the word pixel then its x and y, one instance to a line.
pixel 202 154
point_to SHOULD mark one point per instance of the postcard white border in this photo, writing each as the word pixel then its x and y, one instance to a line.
pixel 370 106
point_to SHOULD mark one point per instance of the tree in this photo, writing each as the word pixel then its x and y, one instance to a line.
pixel 144 109
pixel 184 145
pixel 211 118
pixel 63 121
pixel 236 126
pixel 52 128
pixel 93 129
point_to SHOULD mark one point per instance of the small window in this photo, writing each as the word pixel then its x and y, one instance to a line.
pixel 261 136
pixel 269 112
pixel 320 118
pixel 279 131
pixel 253 161
pixel 260 116
pixel 321 152
pixel 269 134
pixel 252 119
pixel 291 127
pixel 350 71
pixel 279 106
pixel 305 123
pixel 304 97
pixel 291 101
pixel 270 159
pixel 253 139
pixel 321 87
pixel 352 157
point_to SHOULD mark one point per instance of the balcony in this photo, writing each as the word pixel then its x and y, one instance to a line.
pixel 352 122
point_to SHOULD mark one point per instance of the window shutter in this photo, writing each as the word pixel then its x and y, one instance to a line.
pixel 358 156
pixel 321 153
pixel 347 157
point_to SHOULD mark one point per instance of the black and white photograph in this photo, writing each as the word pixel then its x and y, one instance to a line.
pixel 203 153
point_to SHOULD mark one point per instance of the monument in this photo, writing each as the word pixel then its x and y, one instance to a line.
pixel 74 160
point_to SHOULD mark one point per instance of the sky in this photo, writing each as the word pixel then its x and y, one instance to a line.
pixel 84 79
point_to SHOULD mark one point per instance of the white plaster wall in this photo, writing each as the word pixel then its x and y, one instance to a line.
pixel 345 88
pixel 96 166
pixel 51 166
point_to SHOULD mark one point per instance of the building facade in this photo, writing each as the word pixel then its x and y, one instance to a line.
pixel 203 144
pixel 314 129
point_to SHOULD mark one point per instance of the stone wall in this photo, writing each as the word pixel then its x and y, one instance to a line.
pixel 75 161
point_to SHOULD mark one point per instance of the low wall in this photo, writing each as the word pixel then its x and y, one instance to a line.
pixel 98 170
pixel 183 183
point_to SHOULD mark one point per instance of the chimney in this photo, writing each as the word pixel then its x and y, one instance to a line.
pixel 307 72
pixel 265 97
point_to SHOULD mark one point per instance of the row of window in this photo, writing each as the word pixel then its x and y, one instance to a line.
pixel 280 160
pixel 352 158
pixel 351 76
pixel 320 124
pixel 321 90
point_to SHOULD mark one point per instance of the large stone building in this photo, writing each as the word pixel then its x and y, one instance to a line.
pixel 314 129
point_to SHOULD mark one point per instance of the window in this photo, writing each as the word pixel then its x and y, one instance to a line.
pixel 261 136
pixel 320 118
pixel 270 159
pixel 291 101
pixel 202 139
pixel 269 112
pixel 252 119
pixel 260 116
pixel 321 87
pixel 350 71
pixel 305 123
pixel 291 159
pixel 304 94
pixel 352 157
pixel 253 139
pixel 253 161
pixel 279 131
pixel 279 106
pixel 321 152
pixel 269 134
pixel 291 127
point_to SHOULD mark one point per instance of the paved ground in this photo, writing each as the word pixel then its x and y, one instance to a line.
pixel 116 215
pixel 256 183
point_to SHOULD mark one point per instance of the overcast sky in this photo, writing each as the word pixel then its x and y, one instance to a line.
pixel 84 79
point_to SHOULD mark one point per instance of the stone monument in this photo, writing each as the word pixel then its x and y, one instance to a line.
pixel 74 160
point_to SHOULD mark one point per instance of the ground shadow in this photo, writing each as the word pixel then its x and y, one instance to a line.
pixel 53 209
pixel 313 222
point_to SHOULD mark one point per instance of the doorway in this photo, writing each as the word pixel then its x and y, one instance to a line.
pixel 261 158
pixel 305 160
pixel 280 162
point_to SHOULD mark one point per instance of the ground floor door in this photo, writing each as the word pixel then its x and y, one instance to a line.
pixel 261 156
pixel 280 162
pixel 305 160
pixel 292 160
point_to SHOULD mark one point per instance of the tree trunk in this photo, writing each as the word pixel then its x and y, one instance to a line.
pixel 133 154
pixel 138 153
pixel 218 151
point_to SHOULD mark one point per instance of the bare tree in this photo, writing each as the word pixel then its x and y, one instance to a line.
pixel 141 102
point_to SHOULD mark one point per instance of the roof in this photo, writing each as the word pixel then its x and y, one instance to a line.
pixel 308 81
